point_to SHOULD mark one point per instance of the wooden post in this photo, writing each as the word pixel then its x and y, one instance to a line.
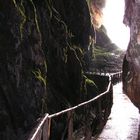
pixel 39 135
pixel 46 129
pixel 100 112
pixel 87 127
pixel 70 125
pixel 100 108
pixel 88 135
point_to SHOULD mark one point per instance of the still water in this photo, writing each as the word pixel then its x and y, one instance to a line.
pixel 123 123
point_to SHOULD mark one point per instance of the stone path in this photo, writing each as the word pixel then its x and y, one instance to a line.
pixel 123 123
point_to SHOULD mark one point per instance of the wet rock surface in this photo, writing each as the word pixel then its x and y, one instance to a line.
pixel 123 123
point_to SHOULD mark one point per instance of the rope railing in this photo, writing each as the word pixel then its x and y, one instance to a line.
pixel 116 77
pixel 81 104
pixel 42 132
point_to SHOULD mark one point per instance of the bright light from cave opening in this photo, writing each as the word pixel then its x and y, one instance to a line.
pixel 113 21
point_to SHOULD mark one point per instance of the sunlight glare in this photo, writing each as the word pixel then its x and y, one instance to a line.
pixel 113 21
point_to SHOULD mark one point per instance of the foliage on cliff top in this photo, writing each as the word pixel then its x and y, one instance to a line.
pixel 107 57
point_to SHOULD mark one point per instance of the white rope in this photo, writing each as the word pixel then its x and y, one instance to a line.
pixel 39 127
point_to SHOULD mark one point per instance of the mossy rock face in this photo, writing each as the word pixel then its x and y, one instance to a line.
pixel 20 55
pixel 38 61
pixel 66 48
pixel 77 18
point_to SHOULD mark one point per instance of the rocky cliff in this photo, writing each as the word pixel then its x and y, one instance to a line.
pixel 131 64
pixel 43 50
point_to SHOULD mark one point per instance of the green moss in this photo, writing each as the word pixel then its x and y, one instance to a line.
pixel 40 76
pixel 35 17
pixel 100 52
pixel 45 63
pixel 89 81
pixel 65 55
pixel 21 11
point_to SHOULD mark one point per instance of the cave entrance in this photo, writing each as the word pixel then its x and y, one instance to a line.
pixel 113 22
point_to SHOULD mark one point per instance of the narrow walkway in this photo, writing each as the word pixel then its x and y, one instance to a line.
pixel 123 123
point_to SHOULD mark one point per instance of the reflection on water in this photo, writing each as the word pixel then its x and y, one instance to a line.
pixel 123 123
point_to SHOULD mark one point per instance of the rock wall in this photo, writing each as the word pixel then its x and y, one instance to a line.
pixel 131 65
pixel 22 68
pixel 43 45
